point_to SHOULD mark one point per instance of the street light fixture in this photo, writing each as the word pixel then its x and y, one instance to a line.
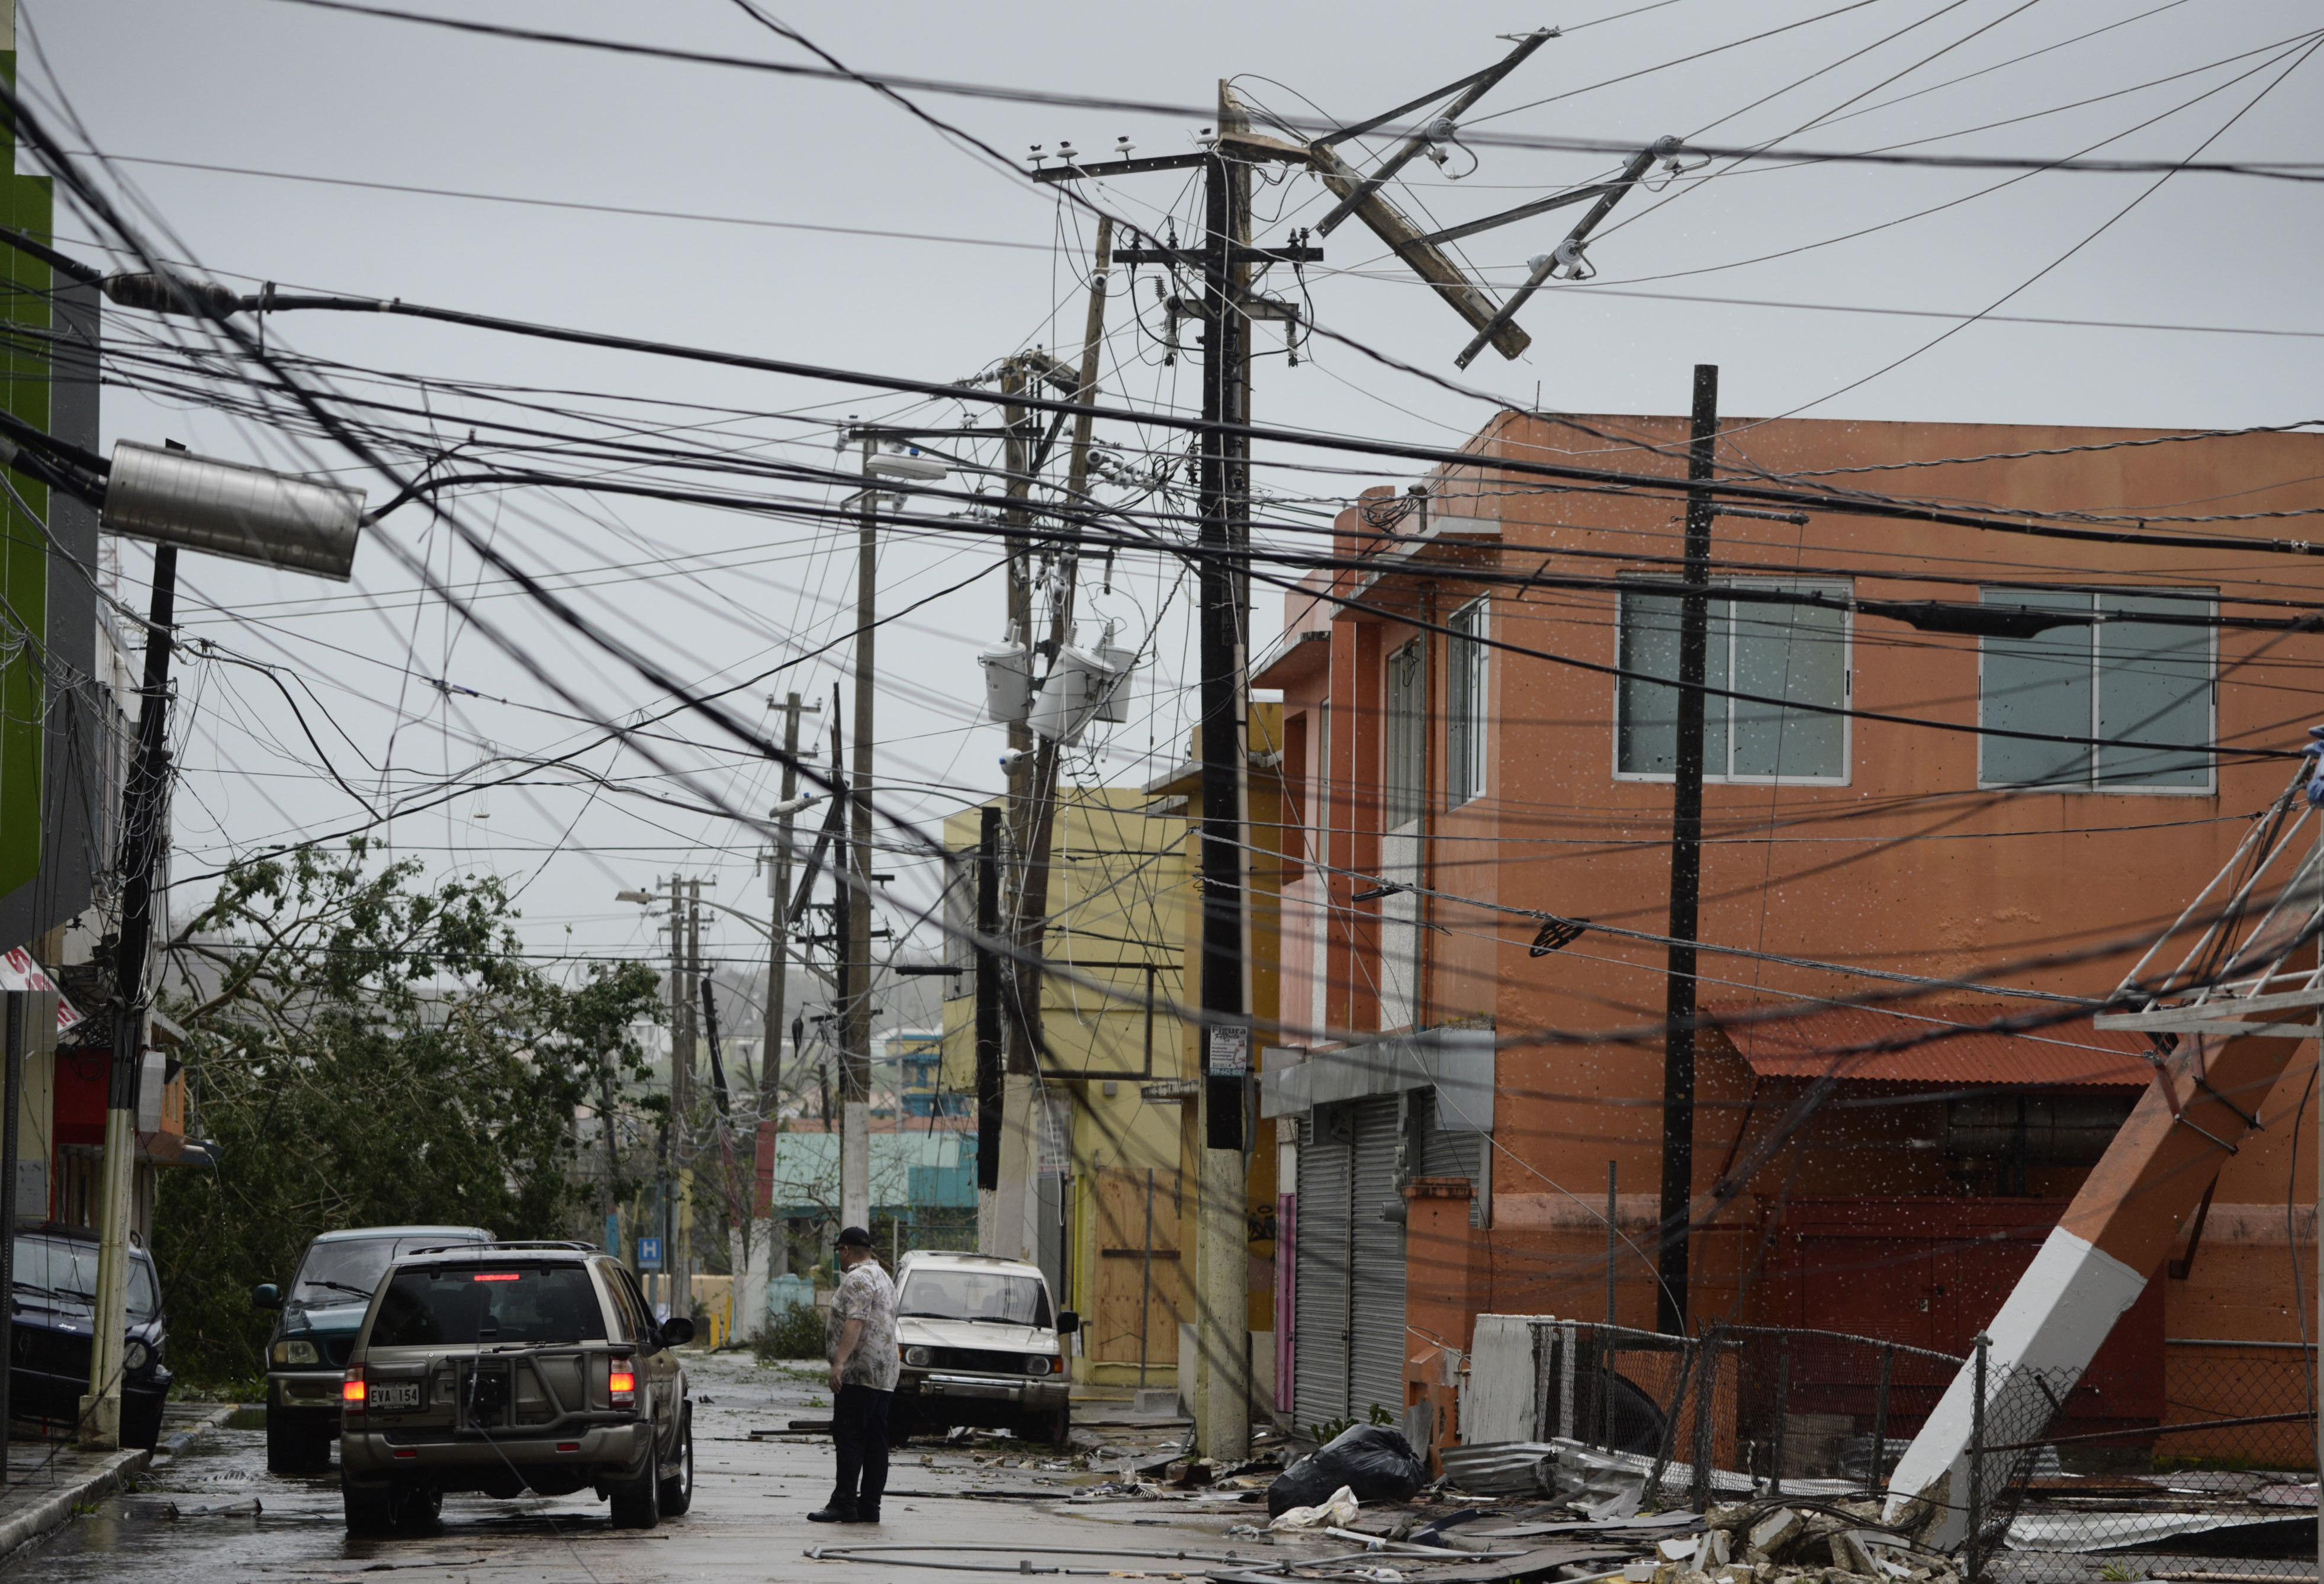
pixel 179 501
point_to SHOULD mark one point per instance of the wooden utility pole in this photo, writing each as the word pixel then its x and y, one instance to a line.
pixel 750 1307
pixel 681 1252
pixel 778 892
pixel 1017 460
pixel 1030 906
pixel 1686 863
pixel 1033 810
pixel 990 1044
pixel 1223 1336
pixel 1225 260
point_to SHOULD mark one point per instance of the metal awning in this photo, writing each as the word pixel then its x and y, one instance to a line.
pixel 1868 1044
pixel 19 971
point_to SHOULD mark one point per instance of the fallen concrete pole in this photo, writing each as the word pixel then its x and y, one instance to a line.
pixel 2093 1266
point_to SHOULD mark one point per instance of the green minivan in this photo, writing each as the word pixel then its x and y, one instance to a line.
pixel 320 1313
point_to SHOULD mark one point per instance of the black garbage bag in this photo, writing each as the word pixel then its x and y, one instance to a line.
pixel 1374 1460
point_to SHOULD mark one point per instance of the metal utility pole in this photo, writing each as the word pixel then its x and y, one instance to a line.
pixel 1686 863
pixel 855 1093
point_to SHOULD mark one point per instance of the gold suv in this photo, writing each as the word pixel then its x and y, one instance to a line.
pixel 505 1367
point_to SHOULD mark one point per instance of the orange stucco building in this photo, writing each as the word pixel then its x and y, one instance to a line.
pixel 1960 754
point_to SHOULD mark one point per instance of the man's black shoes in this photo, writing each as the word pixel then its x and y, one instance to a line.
pixel 836 1512
pixel 865 1516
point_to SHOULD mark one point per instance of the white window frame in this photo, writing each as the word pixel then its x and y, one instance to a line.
pixel 1711 777
pixel 2090 786
pixel 1467 719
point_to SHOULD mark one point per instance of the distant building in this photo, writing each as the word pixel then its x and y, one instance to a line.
pixel 918 1055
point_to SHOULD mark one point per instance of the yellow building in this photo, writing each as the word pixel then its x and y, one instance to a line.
pixel 1117 889
pixel 1115 1194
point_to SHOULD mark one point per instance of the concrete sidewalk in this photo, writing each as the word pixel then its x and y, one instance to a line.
pixel 49 1480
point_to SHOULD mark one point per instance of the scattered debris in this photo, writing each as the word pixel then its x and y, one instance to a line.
pixel 1338 1509
pixel 1374 1461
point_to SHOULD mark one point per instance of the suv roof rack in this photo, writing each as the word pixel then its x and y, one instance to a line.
pixel 519 1244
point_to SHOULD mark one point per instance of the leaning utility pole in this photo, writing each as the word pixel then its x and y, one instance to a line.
pixel 1686 863
pixel 166 495
pixel 1035 817
pixel 778 891
pixel 144 805
pixel 1017 462
pixel 1004 1220
pixel 1030 897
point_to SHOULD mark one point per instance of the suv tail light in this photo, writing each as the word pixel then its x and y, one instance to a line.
pixel 622 1384
pixel 350 1391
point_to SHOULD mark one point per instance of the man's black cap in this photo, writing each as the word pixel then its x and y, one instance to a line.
pixel 855 1238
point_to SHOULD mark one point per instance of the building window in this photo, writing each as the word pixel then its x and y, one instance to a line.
pixel 1319 825
pixel 1464 688
pixel 1408 714
pixel 1778 650
pixel 2115 677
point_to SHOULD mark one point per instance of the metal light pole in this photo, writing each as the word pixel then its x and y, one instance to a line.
pixel 181 500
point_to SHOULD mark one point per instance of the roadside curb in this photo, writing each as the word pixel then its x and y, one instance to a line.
pixel 201 1427
pixel 55 1510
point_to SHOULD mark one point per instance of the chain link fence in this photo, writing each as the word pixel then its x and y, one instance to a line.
pixel 1742 1410
pixel 2219 1490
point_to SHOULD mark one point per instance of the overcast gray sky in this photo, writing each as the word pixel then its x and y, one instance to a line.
pixel 996 264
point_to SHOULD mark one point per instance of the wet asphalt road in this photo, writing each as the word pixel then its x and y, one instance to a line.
pixel 749 1517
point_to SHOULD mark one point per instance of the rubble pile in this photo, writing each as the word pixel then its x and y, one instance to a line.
pixel 1777 1542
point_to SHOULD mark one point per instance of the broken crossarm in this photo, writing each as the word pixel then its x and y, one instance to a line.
pixel 1568 255
pixel 1473 89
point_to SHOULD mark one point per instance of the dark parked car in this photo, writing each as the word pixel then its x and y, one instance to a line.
pixel 307 1354
pixel 510 1367
pixel 54 1326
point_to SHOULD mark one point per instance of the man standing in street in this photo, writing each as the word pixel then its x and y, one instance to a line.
pixel 860 1340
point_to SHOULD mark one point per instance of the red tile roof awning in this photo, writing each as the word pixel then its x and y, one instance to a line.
pixel 1867 1045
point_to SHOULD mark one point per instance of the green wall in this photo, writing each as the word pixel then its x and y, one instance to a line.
pixel 26 205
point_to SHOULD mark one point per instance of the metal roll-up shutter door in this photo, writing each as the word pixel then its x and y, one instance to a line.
pixel 1319 1361
pixel 1449 1155
pixel 1376 1365
pixel 1455 1154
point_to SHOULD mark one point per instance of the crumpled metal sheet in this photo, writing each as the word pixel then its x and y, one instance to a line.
pixel 2084 1532
pixel 1606 1485
pixel 1508 1468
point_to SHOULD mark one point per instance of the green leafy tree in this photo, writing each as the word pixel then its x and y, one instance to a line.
pixel 365 1048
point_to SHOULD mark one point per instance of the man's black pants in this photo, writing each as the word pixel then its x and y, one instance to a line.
pixel 859 1429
